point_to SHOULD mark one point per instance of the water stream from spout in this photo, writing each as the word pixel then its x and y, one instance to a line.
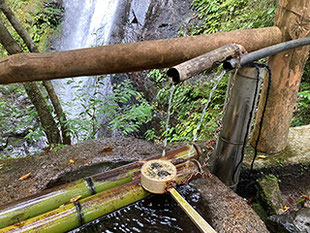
pixel 216 83
pixel 168 119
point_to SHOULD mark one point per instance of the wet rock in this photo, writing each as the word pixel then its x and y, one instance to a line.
pixel 294 222
pixel 291 166
pixel 297 151
pixel 16 122
pixel 141 20
pixel 269 194
pixel 225 210
pixel 138 11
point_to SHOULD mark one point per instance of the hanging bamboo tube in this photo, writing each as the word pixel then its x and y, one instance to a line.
pixel 75 214
pixel 53 198
pixel 190 68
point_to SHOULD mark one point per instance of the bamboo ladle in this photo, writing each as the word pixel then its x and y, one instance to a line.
pixel 158 176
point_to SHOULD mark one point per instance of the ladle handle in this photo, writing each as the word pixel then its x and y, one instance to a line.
pixel 196 218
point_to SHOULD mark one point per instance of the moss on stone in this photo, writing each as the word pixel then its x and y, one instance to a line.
pixel 269 194
pixel 261 212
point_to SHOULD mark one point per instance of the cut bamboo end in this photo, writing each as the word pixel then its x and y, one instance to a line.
pixel 157 175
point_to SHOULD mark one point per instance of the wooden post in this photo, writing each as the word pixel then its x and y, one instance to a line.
pixel 293 18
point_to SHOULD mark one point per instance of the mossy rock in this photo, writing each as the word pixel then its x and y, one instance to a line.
pixel 269 194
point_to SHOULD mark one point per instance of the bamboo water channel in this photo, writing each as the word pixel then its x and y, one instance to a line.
pixel 72 215
pixel 53 198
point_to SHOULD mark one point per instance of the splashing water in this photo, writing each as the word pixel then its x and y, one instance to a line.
pixel 168 118
pixel 217 81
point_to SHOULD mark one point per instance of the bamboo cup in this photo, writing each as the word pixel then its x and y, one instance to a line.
pixel 158 176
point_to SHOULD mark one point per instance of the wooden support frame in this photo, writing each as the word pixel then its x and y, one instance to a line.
pixel 293 18
pixel 129 57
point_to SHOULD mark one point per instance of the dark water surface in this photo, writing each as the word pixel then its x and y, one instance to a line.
pixel 156 214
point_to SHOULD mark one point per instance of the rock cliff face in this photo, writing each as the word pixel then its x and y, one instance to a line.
pixel 150 19
pixel 140 20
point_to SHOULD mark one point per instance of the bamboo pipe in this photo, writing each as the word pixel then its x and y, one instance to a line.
pixel 226 161
pixel 196 65
pixel 122 58
pixel 53 198
pixel 75 214
pixel 201 224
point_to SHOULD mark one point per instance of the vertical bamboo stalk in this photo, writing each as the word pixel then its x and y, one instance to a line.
pixel 229 151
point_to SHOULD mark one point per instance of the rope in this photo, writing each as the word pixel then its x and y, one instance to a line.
pixel 263 114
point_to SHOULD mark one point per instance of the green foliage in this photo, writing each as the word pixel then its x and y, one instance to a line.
pixel 41 23
pixel 57 147
pixel 129 117
pixel 124 110
pixel 13 104
pixel 227 15
pixel 157 75
pixel 302 112
pixel 186 110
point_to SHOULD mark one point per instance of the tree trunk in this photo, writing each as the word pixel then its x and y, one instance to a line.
pixel 293 18
pixel 18 26
pixel 122 58
pixel 33 91
pixel 47 84
pixel 66 139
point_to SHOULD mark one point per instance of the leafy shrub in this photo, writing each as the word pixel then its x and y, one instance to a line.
pixel 227 15
pixel 123 111
pixel 302 112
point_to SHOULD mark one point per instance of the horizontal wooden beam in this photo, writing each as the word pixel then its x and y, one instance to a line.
pixel 122 58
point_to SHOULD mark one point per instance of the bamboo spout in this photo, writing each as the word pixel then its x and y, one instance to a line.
pixel 196 65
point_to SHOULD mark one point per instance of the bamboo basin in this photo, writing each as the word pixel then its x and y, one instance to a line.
pixel 158 175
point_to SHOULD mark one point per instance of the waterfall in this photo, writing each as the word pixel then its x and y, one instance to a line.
pixel 87 23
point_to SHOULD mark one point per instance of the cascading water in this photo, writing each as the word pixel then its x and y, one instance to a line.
pixel 87 23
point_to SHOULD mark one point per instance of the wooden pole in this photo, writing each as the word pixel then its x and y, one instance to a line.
pixel 122 58
pixel 293 18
